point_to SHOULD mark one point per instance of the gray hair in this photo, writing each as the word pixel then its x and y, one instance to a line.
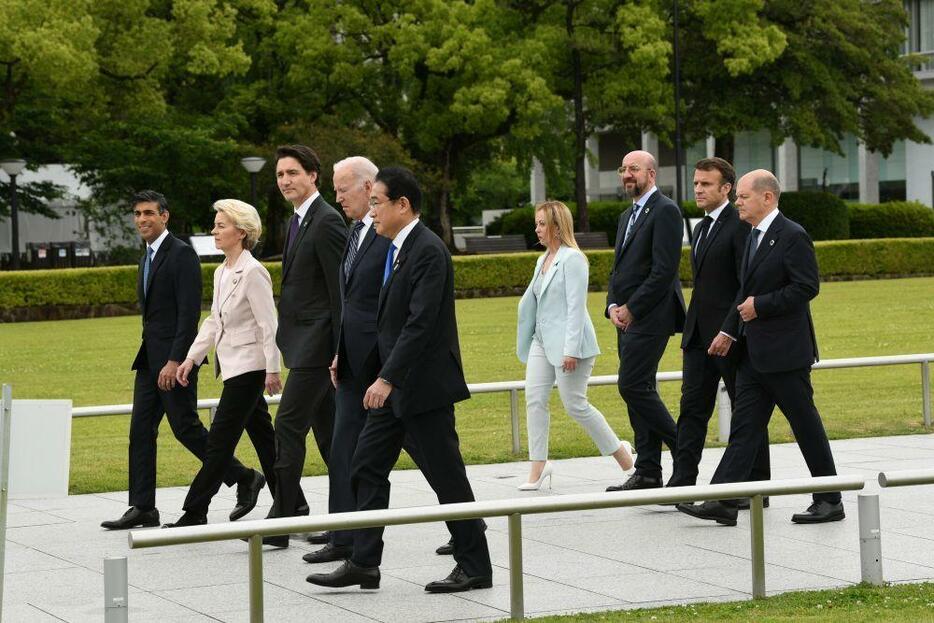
pixel 244 217
pixel 362 168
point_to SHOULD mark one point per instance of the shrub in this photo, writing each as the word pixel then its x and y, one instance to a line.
pixel 896 219
pixel 823 215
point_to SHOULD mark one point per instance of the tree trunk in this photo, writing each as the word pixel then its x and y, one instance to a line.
pixel 444 194
pixel 580 128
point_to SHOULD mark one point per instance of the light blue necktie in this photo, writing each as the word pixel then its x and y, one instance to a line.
pixel 636 209
pixel 146 266
pixel 390 255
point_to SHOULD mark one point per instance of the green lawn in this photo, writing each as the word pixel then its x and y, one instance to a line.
pixel 908 603
pixel 89 360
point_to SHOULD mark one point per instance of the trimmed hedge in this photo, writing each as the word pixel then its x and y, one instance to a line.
pixel 473 275
pixel 895 219
pixel 823 215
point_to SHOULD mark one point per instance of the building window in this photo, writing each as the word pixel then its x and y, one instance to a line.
pixel 824 170
pixel 892 183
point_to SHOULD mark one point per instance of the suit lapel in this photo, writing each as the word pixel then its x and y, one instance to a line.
pixel 559 256
pixel 401 255
pixel 643 215
pixel 236 278
pixel 367 241
pixel 158 259
pixel 768 242
pixel 711 236
pixel 139 283
pixel 306 223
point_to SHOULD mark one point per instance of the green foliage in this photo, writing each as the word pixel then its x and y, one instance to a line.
pixel 890 256
pixel 895 219
pixel 823 215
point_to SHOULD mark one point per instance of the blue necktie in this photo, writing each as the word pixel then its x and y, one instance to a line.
pixel 390 255
pixel 146 266
pixel 636 209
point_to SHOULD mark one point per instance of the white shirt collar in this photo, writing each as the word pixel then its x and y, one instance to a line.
pixel 715 214
pixel 399 240
pixel 764 225
pixel 302 210
pixel 158 242
pixel 644 198
pixel 367 221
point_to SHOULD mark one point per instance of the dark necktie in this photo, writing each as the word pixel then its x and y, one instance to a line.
pixel 751 251
pixel 352 248
pixel 390 255
pixel 147 266
pixel 702 235
pixel 632 221
pixel 293 233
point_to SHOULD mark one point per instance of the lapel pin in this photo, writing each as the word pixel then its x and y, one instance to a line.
pixel 772 242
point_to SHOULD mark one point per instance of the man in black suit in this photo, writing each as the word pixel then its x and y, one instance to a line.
pixel 309 319
pixel 645 304
pixel 712 320
pixel 776 350
pixel 169 290
pixel 420 378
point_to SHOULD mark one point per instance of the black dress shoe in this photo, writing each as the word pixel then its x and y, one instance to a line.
pixel 280 540
pixel 329 553
pixel 188 519
pixel 247 494
pixel 319 538
pixel 134 518
pixel 713 511
pixel 820 512
pixel 458 581
pixel 637 481
pixel 744 503
pixel 348 574
pixel 447 549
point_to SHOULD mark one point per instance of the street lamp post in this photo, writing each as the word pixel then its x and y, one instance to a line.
pixel 13 168
pixel 679 195
pixel 253 165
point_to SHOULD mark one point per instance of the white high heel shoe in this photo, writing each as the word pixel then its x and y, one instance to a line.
pixel 632 453
pixel 535 486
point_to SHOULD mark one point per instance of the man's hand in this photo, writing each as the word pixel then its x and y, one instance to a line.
pixel 614 316
pixel 569 364
pixel 720 346
pixel 177 372
pixel 376 394
pixel 273 383
pixel 623 317
pixel 747 309
pixel 333 370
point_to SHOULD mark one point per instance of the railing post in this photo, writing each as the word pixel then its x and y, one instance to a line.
pixel 116 599
pixel 6 416
pixel 256 579
pixel 870 539
pixel 514 412
pixel 212 412
pixel 926 392
pixel 724 412
pixel 757 533
pixel 516 597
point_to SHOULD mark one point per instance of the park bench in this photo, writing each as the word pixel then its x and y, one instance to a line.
pixel 592 240
pixel 495 244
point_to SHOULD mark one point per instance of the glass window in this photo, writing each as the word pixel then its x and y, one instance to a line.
pixel 892 185
pixel 824 170
pixel 753 150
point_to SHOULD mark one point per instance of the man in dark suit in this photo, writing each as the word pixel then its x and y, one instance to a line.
pixel 776 350
pixel 169 290
pixel 356 364
pixel 420 378
pixel 712 320
pixel 645 304
pixel 309 319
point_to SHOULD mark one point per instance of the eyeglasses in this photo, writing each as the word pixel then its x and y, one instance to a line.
pixel 373 202
pixel 632 169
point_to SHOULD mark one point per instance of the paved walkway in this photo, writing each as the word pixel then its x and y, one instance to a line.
pixel 583 561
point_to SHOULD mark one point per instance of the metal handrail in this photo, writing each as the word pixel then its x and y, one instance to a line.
pixel 512 508
pixel 906 478
pixel 514 387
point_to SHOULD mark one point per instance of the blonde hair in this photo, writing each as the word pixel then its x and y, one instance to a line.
pixel 244 217
pixel 558 222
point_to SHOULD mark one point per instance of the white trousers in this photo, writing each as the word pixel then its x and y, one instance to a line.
pixel 540 375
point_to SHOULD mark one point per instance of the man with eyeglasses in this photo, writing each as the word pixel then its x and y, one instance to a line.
pixel 645 304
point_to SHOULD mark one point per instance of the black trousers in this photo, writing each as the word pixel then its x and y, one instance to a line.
pixel 700 381
pixel 757 394
pixel 241 407
pixel 307 405
pixel 651 422
pixel 378 450
pixel 150 404
pixel 349 419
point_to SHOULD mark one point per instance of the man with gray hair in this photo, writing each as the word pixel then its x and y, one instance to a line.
pixel 776 350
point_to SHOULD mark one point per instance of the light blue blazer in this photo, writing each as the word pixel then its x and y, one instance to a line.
pixel 561 315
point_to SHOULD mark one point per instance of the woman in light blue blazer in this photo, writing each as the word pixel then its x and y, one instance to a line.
pixel 556 341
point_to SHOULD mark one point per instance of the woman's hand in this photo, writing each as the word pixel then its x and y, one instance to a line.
pixel 183 370
pixel 273 383
pixel 570 364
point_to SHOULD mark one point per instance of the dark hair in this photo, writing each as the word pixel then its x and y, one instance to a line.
pixel 400 182
pixel 150 196
pixel 305 155
pixel 727 172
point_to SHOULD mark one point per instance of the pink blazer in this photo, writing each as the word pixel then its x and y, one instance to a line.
pixel 242 324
